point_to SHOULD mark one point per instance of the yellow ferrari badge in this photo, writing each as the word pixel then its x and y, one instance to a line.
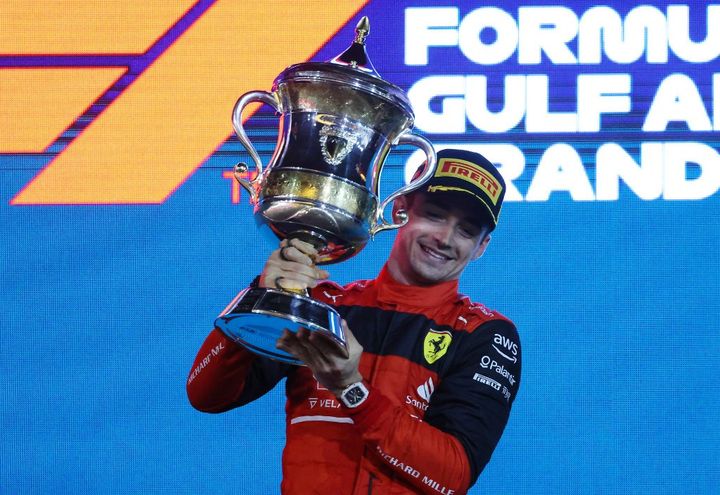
pixel 436 345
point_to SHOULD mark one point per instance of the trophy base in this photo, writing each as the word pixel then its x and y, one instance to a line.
pixel 258 317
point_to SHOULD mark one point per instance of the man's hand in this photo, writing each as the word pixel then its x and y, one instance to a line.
pixel 332 369
pixel 292 267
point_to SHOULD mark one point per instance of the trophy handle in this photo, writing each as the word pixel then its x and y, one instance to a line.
pixel 412 139
pixel 243 101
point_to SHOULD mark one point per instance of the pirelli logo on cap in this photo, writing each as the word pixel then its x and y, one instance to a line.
pixel 472 173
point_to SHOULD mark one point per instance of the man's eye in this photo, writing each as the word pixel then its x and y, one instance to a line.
pixel 432 215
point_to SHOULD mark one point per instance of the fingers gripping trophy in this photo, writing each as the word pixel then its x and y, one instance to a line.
pixel 338 122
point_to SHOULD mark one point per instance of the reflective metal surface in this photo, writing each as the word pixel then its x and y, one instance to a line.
pixel 338 122
pixel 258 317
pixel 336 209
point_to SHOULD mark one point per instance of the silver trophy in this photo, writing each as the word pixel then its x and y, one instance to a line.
pixel 338 121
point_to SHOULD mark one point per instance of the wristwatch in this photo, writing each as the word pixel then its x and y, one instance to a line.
pixel 354 394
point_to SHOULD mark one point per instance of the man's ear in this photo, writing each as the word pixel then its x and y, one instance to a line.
pixel 482 246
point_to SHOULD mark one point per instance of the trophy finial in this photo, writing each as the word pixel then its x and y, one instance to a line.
pixel 356 56
pixel 362 30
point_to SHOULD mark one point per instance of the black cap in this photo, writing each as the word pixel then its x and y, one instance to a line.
pixel 467 180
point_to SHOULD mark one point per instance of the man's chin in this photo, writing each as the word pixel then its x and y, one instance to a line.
pixel 429 276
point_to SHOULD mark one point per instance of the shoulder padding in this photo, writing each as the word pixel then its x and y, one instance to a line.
pixel 473 314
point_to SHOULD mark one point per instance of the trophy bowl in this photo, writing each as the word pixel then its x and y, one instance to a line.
pixel 338 122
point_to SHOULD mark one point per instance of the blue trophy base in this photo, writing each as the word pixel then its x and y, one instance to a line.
pixel 257 318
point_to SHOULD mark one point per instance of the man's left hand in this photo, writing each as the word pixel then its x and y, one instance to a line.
pixel 331 367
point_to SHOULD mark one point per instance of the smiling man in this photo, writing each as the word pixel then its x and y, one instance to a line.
pixel 424 395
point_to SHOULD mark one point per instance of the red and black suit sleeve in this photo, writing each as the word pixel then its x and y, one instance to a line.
pixel 465 419
pixel 225 375
pixel 473 401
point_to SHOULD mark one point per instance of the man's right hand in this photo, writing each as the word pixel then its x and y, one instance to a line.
pixel 292 267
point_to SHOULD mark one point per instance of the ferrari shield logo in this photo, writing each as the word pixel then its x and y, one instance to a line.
pixel 436 345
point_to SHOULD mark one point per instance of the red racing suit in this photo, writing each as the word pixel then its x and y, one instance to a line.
pixel 442 373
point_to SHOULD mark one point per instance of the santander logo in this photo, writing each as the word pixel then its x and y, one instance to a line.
pixel 426 389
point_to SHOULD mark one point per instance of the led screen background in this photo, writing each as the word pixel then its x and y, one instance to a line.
pixel 122 238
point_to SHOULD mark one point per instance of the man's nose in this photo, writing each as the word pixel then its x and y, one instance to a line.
pixel 443 235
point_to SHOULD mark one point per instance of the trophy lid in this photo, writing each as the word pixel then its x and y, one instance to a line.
pixel 356 55
pixel 352 68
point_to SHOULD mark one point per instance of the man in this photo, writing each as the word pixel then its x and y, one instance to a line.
pixel 421 401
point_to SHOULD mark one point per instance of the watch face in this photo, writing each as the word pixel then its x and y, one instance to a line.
pixel 354 395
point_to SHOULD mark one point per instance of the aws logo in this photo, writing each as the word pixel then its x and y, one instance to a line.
pixel 509 348
pixel 151 93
